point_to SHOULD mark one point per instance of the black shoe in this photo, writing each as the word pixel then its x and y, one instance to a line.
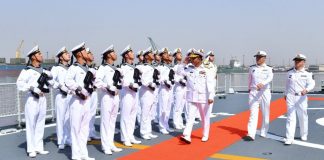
pixel 182 138
pixel 248 138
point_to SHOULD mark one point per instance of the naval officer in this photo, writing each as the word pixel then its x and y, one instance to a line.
pixel 200 94
pixel 259 79
pixel 299 83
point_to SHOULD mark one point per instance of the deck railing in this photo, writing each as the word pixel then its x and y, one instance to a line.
pixel 12 101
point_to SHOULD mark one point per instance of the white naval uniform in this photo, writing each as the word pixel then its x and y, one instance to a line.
pixel 128 105
pixel 79 111
pixel 179 92
pixel 61 104
pixel 93 108
pixel 35 109
pixel 211 69
pixel 138 102
pixel 259 98
pixel 164 99
pixel 146 96
pixel 297 81
pixel 199 90
pixel 109 106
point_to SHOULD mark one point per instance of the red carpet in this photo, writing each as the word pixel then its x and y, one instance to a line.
pixel 222 134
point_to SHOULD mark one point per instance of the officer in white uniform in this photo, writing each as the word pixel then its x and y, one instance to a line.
pixel 79 103
pixel 186 110
pixel 108 80
pixel 93 98
pixel 299 83
pixel 62 98
pixel 179 91
pixel 35 106
pixel 165 91
pixel 155 109
pixel 259 79
pixel 139 64
pixel 146 94
pixel 128 97
pixel 200 94
pixel 211 69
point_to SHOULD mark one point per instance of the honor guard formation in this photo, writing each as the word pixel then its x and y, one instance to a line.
pixel 160 86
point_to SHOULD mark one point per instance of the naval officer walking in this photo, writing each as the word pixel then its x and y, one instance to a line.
pixel 299 83
pixel 260 77
pixel 200 94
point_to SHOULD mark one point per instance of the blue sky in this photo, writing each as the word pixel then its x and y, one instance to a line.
pixel 232 28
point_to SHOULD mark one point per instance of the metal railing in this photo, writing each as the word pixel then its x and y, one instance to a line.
pixel 12 102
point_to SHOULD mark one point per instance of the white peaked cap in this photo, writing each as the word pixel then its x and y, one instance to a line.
pixel 78 47
pixel 261 53
pixel 33 51
pixel 127 49
pixel 300 57
pixel 62 50
pixel 109 49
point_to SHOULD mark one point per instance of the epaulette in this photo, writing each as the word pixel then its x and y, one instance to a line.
pixel 290 69
pixel 253 65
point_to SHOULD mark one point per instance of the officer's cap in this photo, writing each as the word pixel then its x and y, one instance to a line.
pixel 299 57
pixel 261 54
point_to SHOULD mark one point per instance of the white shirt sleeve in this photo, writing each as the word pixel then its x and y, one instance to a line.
pixel 70 79
pixel 310 84
pixel 22 81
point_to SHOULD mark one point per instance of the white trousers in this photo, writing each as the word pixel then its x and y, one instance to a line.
pixel 109 112
pixel 139 108
pixel 79 121
pixel 63 128
pixel 164 107
pixel 128 114
pixel 146 100
pixel 259 99
pixel 204 110
pixel 179 103
pixel 93 111
pixel 156 109
pixel 296 104
pixel 35 112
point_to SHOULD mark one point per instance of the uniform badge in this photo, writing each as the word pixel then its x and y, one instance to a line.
pixel 202 72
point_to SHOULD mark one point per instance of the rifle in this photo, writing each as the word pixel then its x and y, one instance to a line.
pixel 117 78
pixel 137 76
pixel 88 82
pixel 156 77
pixel 42 84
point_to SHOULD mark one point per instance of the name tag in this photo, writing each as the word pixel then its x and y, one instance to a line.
pixel 303 75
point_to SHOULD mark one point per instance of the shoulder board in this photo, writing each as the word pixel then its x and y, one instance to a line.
pixel 270 66
pixel 290 69
pixel 253 65
pixel 191 66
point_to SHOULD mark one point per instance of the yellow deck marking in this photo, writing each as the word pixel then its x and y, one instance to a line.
pixel 140 147
pixel 233 157
pixel 135 146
